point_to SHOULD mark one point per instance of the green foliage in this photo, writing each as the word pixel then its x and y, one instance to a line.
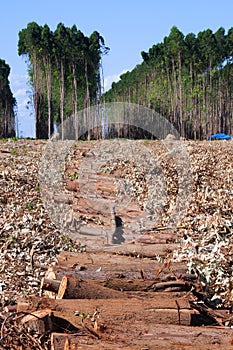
pixel 7 103
pixel 67 241
pixel 187 79
pixel 12 241
pixel 30 206
pixel 64 70
pixel 14 151
pixel 75 176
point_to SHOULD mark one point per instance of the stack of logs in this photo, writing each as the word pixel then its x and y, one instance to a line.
pixel 101 300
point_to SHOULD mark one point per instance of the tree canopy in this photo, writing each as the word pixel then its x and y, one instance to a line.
pixel 187 79
pixel 64 67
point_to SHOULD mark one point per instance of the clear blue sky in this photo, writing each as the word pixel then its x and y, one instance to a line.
pixel 127 26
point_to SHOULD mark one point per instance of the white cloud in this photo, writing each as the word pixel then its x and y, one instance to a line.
pixel 112 78
pixel 25 114
pixel 19 93
pixel 18 80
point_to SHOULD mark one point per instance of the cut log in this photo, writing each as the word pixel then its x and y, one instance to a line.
pixel 162 300
pixel 55 286
pixel 155 337
pixel 114 313
pixel 39 321
pixel 35 303
pixel 113 265
pixel 59 341
pixel 145 285
pixel 136 249
pixel 171 285
pixel 71 287
pixel 62 287
pixel 50 285
pixel 50 274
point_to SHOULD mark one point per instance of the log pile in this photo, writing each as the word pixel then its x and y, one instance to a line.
pixel 107 301
pixel 151 291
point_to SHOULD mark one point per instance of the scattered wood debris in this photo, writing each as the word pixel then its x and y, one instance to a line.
pixel 29 241
pixel 155 290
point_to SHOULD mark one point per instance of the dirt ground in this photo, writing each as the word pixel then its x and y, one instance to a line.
pixel 122 287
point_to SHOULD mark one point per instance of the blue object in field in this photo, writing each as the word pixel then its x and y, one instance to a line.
pixel 220 136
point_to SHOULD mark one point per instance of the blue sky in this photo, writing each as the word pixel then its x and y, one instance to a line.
pixel 128 28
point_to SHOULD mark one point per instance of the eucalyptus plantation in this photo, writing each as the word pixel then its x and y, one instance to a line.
pixel 64 70
pixel 188 79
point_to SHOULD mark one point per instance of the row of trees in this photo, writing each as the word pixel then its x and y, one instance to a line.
pixel 7 103
pixel 188 79
pixel 64 68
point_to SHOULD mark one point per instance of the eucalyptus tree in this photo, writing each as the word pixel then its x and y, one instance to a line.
pixel 29 45
pixel 208 53
pixel 95 48
pixel 192 86
pixel 174 47
pixel 61 46
pixel 64 70
pixel 7 103
pixel 77 54
pixel 47 58
pixel 186 78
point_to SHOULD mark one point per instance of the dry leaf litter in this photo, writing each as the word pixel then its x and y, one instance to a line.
pixel 207 226
pixel 207 244
pixel 30 241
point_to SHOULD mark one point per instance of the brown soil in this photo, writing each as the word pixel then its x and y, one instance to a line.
pixel 119 296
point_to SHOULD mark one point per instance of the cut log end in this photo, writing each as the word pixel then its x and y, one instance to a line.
pixel 56 288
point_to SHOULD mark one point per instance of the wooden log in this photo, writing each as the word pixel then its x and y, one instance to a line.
pixel 60 341
pixel 158 336
pixel 117 312
pixel 75 286
pixel 50 274
pixel 89 289
pixel 50 285
pixel 182 337
pixel 39 321
pixel 71 287
pixel 35 303
pixel 136 249
pixel 162 300
pixel 145 285
pixel 114 264
pixel 62 287
pixel 55 286
pixel 149 319
pixel 177 285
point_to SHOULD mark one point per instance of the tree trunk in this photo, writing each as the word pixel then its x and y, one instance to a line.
pixel 62 98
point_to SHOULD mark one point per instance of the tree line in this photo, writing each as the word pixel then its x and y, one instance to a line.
pixel 7 103
pixel 187 79
pixel 65 72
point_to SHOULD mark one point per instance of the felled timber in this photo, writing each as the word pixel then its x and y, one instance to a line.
pixel 78 288
pixel 134 323
pixel 161 308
